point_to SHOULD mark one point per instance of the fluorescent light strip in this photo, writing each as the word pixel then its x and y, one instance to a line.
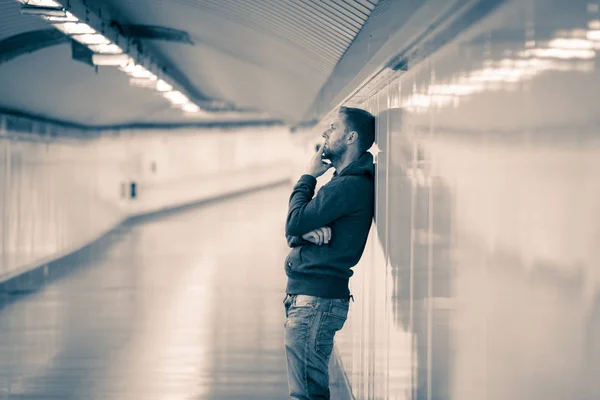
pixel 163 86
pixel 75 28
pixel 143 83
pixel 68 17
pixel 128 68
pixel 190 108
pixel 105 48
pixel 594 35
pixel 91 39
pixel 176 97
pixel 141 72
pixel 562 43
pixel 41 3
pixel 106 52
pixel 111 59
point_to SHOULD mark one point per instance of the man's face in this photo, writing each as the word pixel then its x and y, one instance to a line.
pixel 335 145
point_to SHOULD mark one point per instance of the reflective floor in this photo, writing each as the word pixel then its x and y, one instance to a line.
pixel 181 306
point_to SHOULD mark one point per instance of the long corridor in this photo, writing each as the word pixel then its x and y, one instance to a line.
pixel 180 306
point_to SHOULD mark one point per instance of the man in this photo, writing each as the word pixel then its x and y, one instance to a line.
pixel 328 234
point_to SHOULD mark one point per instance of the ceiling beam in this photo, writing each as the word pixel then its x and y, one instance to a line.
pixel 29 42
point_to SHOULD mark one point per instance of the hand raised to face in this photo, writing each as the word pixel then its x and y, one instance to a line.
pixel 317 166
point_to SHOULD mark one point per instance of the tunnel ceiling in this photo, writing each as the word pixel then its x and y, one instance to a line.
pixel 267 58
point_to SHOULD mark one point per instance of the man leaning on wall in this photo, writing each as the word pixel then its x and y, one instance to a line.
pixel 327 234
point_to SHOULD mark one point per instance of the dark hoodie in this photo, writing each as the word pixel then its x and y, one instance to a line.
pixel 346 205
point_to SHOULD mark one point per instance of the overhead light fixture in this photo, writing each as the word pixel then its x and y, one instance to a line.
pixel 571 43
pixel 128 68
pixel 68 17
pixel 74 28
pixel 104 52
pixel 41 3
pixel 137 71
pixel 594 35
pixel 142 83
pixel 190 108
pixel 141 72
pixel 105 48
pixel 88 39
pixel 110 59
pixel 176 97
pixel 163 86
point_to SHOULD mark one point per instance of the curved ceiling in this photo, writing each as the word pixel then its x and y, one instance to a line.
pixel 272 56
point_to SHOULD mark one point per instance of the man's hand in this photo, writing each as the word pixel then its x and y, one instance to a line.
pixel 318 236
pixel 317 166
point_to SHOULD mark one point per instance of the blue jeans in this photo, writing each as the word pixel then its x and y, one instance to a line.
pixel 310 325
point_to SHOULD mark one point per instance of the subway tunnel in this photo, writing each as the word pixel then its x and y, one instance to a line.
pixel 148 154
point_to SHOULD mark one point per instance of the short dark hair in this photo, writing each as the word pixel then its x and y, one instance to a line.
pixel 361 121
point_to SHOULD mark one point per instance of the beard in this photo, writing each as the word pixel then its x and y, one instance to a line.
pixel 326 153
pixel 331 154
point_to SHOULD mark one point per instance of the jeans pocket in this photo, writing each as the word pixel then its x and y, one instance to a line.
pixel 328 326
pixel 305 300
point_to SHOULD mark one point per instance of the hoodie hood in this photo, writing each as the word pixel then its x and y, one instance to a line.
pixel 363 166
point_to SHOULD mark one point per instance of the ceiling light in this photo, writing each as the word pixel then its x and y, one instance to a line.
pixel 41 3
pixel 176 97
pixel 190 108
pixel 143 73
pixel 91 39
pixel 105 48
pixel 163 86
pixel 138 71
pixel 562 43
pixel 142 82
pixel 67 17
pixel 74 28
pixel 110 59
pixel 594 35
pixel 128 68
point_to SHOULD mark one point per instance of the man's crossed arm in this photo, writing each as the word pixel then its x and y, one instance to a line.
pixel 319 237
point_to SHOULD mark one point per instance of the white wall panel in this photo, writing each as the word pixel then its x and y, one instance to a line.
pixel 481 278
pixel 58 194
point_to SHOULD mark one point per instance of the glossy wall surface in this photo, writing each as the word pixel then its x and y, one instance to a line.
pixel 59 193
pixel 481 279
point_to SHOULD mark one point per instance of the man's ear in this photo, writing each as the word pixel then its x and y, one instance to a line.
pixel 351 137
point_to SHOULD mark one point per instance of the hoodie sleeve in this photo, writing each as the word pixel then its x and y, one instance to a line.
pixel 306 214
pixel 295 241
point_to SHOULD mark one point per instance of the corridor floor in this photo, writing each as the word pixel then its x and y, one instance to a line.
pixel 184 305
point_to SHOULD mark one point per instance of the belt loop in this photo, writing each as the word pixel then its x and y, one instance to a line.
pixel 351 297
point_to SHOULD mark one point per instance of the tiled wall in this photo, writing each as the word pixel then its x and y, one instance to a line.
pixel 58 193
pixel 481 279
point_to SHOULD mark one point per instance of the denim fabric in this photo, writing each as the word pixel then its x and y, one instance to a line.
pixel 310 325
